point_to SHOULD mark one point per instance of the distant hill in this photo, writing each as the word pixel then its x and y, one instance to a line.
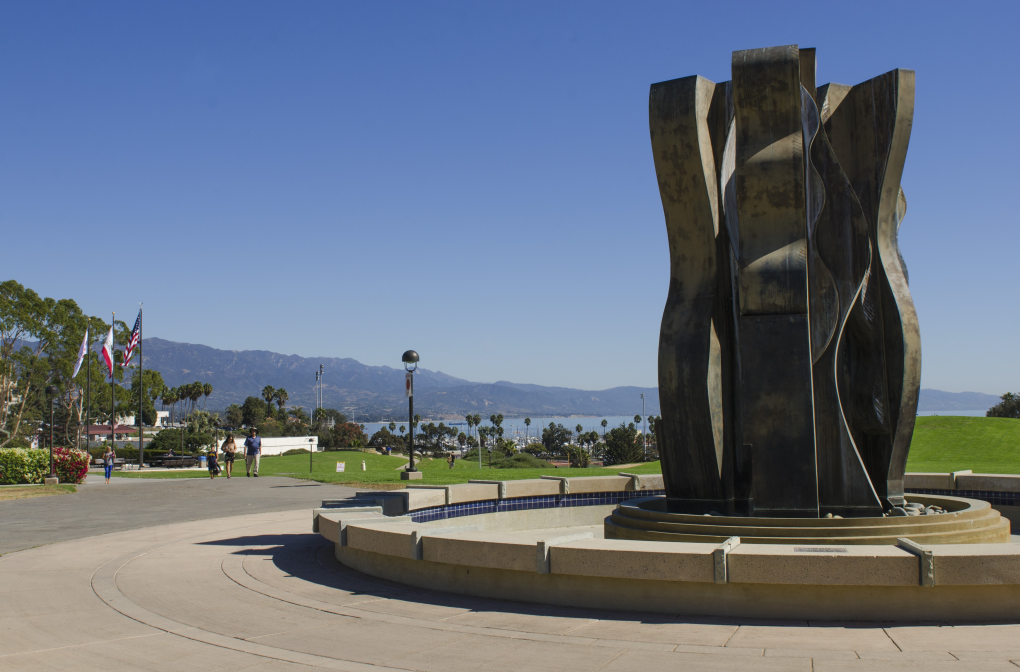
pixel 370 392
pixel 937 400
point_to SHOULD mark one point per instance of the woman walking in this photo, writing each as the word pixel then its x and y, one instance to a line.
pixel 229 448
pixel 213 465
pixel 108 459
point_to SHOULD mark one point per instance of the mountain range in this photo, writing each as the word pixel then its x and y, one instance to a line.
pixel 377 392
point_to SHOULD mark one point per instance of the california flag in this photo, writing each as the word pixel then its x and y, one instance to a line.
pixel 81 353
pixel 108 350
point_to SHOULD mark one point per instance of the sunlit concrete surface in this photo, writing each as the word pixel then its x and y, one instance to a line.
pixel 261 592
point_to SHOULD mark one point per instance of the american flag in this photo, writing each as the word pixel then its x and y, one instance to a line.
pixel 132 343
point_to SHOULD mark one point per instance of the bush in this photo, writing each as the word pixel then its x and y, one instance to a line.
pixel 535 449
pixel 70 464
pixel 579 456
pixel 623 446
pixel 168 439
pixel 23 465
pixel 296 451
pixel 520 461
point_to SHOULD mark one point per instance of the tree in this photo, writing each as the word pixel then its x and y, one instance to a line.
pixel 280 397
pixel 384 438
pixel 268 393
pixel 299 415
pixel 637 419
pixel 207 389
pixel 196 390
pixel 554 437
pixel 325 415
pixel 623 446
pixel 253 412
pixel 234 415
pixel 150 386
pixel 1009 407
pixel 604 424
pixel 393 426
pixel 349 435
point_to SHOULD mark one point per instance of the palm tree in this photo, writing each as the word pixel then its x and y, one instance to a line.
pixel 604 424
pixel 579 429
pixel 197 390
pixel 280 396
pixel 393 426
pixel 173 396
pixel 299 415
pixel 268 393
pixel 206 391
pixel 527 426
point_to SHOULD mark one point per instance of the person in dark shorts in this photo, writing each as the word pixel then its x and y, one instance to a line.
pixel 229 449
pixel 212 463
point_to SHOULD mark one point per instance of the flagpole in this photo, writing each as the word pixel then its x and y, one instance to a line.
pixel 141 388
pixel 113 393
pixel 88 383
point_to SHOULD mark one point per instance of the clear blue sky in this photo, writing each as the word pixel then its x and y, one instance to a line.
pixel 296 177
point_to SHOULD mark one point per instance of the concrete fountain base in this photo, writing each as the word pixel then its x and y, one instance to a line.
pixel 965 521
pixel 519 540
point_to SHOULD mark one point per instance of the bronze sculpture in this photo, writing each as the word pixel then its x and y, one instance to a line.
pixel 789 354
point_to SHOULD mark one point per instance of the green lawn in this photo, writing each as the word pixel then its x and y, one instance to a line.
pixel 383 471
pixel 951 443
pixel 941 443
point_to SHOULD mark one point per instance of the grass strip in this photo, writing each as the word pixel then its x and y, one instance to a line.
pixel 27 491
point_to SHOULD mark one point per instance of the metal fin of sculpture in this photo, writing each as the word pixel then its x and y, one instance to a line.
pixel 789 355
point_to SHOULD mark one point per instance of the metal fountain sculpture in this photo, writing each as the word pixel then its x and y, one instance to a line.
pixel 789 354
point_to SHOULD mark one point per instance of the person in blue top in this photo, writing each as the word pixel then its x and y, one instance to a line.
pixel 252 451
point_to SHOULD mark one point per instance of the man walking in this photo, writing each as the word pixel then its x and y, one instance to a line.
pixel 252 451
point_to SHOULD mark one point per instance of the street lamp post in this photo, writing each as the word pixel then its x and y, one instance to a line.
pixel 310 440
pixel 644 429
pixel 51 392
pixel 410 359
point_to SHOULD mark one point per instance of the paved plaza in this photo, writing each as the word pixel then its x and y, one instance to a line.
pixel 180 590
pixel 129 503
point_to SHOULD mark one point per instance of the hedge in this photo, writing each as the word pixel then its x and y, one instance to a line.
pixel 23 465
pixel 32 465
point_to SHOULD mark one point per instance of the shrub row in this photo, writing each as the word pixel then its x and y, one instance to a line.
pixel 31 465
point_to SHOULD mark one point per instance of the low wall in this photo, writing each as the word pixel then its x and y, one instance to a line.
pixel 1002 491
pixel 277 445
pixel 540 541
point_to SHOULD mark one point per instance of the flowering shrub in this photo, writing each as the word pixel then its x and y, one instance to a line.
pixel 23 465
pixel 70 464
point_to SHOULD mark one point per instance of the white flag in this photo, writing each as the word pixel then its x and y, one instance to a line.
pixel 81 353
pixel 108 350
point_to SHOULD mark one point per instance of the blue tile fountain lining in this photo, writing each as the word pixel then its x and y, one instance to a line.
pixel 612 498
pixel 992 497
pixel 527 503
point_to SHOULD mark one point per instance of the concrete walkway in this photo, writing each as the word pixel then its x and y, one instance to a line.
pixel 129 503
pixel 259 592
